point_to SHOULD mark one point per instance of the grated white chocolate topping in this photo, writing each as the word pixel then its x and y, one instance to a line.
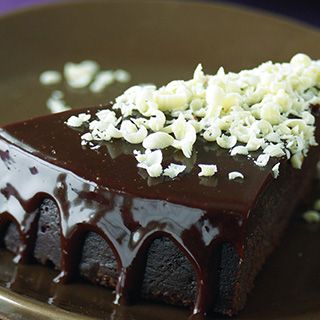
pixel 84 75
pixel 77 121
pixel 207 170
pixel 174 170
pixel 265 109
pixel 262 160
pixel 122 76
pixel 81 74
pixel 50 77
pixel 88 74
pixel 56 103
pixel 275 170
pixel 311 216
pixel 150 161
pixel 235 175
pixel 102 80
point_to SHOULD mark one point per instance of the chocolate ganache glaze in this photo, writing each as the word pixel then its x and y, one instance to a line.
pixel 102 190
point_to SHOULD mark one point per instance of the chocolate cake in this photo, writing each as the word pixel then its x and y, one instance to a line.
pixel 114 194
pixel 188 241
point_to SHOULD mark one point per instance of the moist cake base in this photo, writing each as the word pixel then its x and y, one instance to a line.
pixel 290 299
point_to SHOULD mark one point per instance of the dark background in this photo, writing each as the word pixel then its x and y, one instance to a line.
pixel 306 11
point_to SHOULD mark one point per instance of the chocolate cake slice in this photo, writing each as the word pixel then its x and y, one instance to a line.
pixel 119 200
pixel 189 241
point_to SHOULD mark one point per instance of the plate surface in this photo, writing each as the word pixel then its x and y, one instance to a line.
pixel 156 42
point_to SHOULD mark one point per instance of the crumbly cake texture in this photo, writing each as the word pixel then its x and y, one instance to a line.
pixel 197 234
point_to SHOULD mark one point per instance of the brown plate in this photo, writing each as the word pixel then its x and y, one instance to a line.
pixel 156 42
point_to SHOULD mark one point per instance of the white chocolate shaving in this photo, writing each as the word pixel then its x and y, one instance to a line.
pixel 56 103
pixel 262 160
pixel 121 75
pixel 74 121
pixel 235 175
pixel 311 216
pixel 297 160
pixel 239 150
pixel 274 150
pixel 87 137
pixel 102 80
pixel 212 133
pixel 50 77
pixel 226 142
pixel 275 170
pixel 77 121
pixel 81 74
pixel 150 161
pixel 207 170
pixel 131 133
pixel 157 140
pixel 173 170
pixel 254 143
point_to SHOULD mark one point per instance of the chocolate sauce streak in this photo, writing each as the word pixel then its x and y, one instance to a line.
pixel 103 191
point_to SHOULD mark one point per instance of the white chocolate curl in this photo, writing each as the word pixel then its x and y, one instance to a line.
pixel 173 170
pixel 207 170
pixel 235 175
pixel 150 161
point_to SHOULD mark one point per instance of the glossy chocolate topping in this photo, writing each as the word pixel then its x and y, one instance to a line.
pixel 102 190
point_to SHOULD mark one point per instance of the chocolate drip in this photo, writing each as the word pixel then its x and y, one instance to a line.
pixel 103 191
